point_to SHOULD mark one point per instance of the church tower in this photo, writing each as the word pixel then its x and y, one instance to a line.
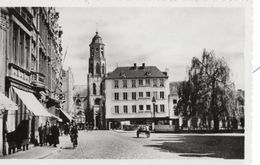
pixel 96 75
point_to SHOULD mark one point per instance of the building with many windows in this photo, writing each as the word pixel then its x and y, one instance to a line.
pixel 129 93
pixel 31 42
pixel 80 93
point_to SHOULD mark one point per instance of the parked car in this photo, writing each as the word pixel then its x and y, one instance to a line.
pixel 143 129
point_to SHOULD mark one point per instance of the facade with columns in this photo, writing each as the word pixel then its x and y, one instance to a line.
pixel 96 74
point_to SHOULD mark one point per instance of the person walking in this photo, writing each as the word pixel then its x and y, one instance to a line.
pixel 55 134
pixel 47 133
pixel 74 134
pixel 40 130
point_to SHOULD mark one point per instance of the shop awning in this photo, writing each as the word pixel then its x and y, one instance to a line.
pixel 66 115
pixel 32 103
pixel 6 103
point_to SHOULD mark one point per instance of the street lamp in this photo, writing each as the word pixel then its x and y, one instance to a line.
pixel 153 101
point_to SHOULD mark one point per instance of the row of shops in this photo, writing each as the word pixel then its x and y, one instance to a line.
pixel 19 123
pixel 30 73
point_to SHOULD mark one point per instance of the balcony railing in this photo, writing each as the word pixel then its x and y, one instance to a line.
pixel 38 79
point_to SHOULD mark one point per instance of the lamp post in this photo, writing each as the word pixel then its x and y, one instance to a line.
pixel 153 101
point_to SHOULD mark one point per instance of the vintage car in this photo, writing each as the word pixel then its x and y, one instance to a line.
pixel 143 129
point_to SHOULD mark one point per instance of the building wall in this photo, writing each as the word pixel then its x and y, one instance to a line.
pixel 111 102
pixel 33 59
pixel 67 90
pixel 3 47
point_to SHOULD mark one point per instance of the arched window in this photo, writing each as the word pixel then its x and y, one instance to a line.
pixel 97 101
pixel 78 102
pixel 101 88
pixel 103 69
pixel 94 89
pixel 97 68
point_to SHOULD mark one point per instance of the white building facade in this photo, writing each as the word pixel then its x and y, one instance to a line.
pixel 67 90
pixel 129 92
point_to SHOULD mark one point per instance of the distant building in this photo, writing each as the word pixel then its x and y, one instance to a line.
pixel 129 91
pixel 79 103
pixel 173 100
pixel 67 90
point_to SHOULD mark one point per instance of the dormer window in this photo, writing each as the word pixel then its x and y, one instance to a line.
pixel 148 73
pixel 122 74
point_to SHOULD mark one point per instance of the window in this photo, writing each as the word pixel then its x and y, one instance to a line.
pixel 133 95
pixel 97 101
pixel 134 108
pixel 116 83
pixel 15 43
pixel 97 68
pixel 103 69
pixel 148 107
pixel 155 82
pixel 176 112
pixel 174 101
pixel 148 94
pixel 161 82
pixel 125 109
pixel 116 96
pixel 21 49
pixel 156 108
pixel 116 109
pixel 147 82
pixel 124 83
pixel 27 52
pixel 140 94
pixel 162 107
pixel 94 89
pixel 141 83
pixel 155 94
pixel 141 107
pixel 161 95
pixel 125 95
pixel 133 83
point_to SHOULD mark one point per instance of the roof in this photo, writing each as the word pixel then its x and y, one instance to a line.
pixel 136 72
pixel 96 39
pixel 81 90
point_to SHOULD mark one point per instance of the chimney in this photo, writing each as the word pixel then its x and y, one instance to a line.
pixel 143 65
pixel 134 65
pixel 166 72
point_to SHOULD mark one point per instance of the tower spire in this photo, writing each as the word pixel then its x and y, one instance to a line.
pixel 96 28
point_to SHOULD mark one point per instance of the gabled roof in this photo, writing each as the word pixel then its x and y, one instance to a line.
pixel 136 72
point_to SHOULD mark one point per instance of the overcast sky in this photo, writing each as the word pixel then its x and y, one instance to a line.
pixel 165 37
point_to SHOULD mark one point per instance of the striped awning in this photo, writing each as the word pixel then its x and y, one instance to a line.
pixel 6 103
pixel 31 102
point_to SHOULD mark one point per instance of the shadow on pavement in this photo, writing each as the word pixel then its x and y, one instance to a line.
pixel 67 148
pixel 226 147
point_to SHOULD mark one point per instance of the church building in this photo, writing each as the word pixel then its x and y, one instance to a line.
pixel 97 71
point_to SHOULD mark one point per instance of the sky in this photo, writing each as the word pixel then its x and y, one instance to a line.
pixel 165 37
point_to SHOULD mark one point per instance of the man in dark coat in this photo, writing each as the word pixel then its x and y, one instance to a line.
pixel 47 134
pixel 41 134
pixel 74 133
pixel 55 134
